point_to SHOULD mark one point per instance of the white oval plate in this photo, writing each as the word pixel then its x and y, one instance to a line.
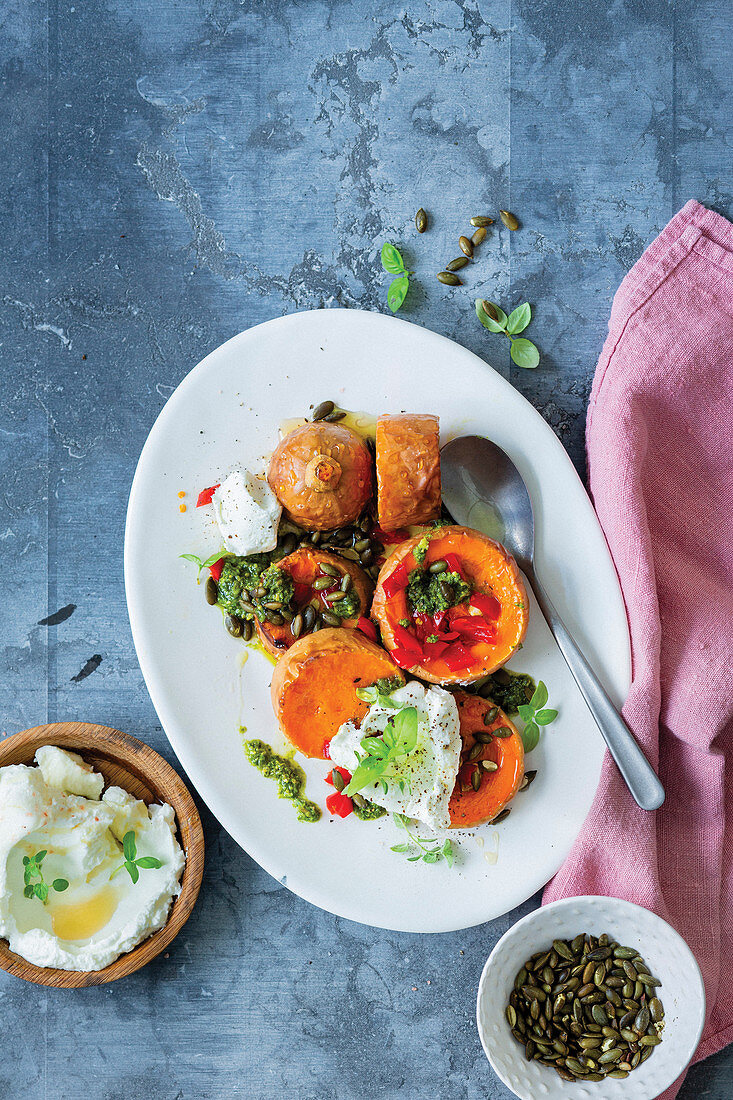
pixel 227 410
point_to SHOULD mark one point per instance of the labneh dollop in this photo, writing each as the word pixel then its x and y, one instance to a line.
pixel 428 773
pixel 247 513
pixel 58 809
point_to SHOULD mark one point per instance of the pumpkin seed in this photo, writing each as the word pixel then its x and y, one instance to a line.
pixel 247 630
pixel 478 237
pixel 476 751
pixel 234 625
pixel 439 566
pixel 656 1011
pixel 347 582
pixel 465 246
pixel 330 619
pixel 328 569
pixel 618 1073
pixel 362 544
pixel 484 737
pixel 457 264
pixel 586 990
pixel 320 583
pixel 649 1041
pixel 623 953
pixel 490 716
pixel 576 944
pixel 489 765
pixel 421 220
pixel 446 591
pixel 502 816
pixel 287 614
pixel 211 591
pixel 316 538
pixel 502 731
pixel 273 605
pixel 511 1016
pixel 476 778
pixel 509 219
pixel 275 618
pixel 296 626
pixel 481 221
pixel 649 980
pixel 489 309
pixel 630 971
pixel 588 973
pixel 642 1021
pixel 449 278
pixel 334 416
pixel 352 555
pixel 322 410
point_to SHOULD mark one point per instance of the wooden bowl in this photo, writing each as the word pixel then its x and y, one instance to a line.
pixel 128 763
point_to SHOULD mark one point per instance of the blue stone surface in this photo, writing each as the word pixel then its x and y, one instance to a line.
pixel 175 171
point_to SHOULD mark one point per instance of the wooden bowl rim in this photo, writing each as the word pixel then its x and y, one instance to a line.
pixel 143 761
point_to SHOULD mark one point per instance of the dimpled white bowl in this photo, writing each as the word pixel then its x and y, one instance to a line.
pixel 682 993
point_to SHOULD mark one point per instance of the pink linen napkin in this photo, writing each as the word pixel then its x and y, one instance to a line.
pixel 660 452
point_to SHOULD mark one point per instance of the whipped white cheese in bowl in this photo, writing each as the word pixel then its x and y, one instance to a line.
pixel 84 876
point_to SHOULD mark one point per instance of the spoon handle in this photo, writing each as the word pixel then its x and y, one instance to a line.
pixel 640 777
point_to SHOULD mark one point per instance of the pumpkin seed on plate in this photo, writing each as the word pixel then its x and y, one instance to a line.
pixel 465 246
pixel 480 221
pixel 510 221
pixel 457 264
pixel 421 220
pixel 211 591
pixel 449 278
pixel 323 410
pixel 478 237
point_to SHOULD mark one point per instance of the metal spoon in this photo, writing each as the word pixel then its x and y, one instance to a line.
pixel 480 480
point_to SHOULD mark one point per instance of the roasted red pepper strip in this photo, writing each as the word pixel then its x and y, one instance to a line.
pixel 396 581
pixel 205 495
pixel 366 626
pixel 345 775
pixel 457 657
pixel 339 805
pixel 486 604
pixel 402 658
pixel 454 565
pixel 216 569
pixel 474 629
pixel 407 641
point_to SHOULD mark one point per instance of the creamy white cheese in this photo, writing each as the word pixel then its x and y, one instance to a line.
pixel 102 914
pixel 247 512
pixel 429 771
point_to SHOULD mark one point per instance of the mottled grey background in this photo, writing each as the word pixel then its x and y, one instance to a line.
pixel 173 172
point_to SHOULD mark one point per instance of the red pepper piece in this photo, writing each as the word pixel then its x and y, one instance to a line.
pixel 339 805
pixel 407 641
pixel 366 626
pixel 345 775
pixel 454 565
pixel 216 569
pixel 402 658
pixel 486 604
pixel 457 657
pixel 302 593
pixel 205 495
pixel 435 649
pixel 471 628
pixel 396 581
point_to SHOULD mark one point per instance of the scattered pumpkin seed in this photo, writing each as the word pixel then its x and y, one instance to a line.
pixel 484 737
pixel 234 625
pixel 476 751
pixel 449 278
pixel 211 591
pixel 323 410
pixel 490 765
pixel 330 619
pixel 421 220
pixel 457 264
pixel 476 779
pixel 466 246
pixel 328 569
pixel 322 582
pixel 489 309
pixel 509 219
pixel 478 237
pixel 502 816
pixel 296 626
pixel 502 731
pixel 480 221
pixel 491 715
pixel 439 566
pixel 247 630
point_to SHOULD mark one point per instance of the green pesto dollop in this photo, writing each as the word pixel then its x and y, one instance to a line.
pixel 421 550
pixel 240 576
pixel 428 593
pixel 290 778
pixel 347 607
pixel 509 690
pixel 369 811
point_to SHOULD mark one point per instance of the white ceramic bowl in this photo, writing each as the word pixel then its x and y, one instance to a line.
pixel 682 992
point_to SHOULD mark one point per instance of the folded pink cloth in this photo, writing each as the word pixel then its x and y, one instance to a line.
pixel 660 452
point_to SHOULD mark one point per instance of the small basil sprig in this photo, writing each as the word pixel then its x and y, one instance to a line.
pixel 534 714
pixel 132 863
pixel 31 870
pixel 523 352
pixel 393 263
pixel 429 851
pixel 203 564
pixel 381 751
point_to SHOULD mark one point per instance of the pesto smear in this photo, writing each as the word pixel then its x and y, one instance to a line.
pixel 290 778
pixel 509 690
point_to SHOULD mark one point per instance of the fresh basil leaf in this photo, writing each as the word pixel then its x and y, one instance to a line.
pixel 544 717
pixel 132 871
pixel 489 322
pixel 530 736
pixel 383 785
pixel 524 353
pixel 391 259
pixel 41 891
pixel 60 884
pixel 39 857
pixel 405 727
pixel 148 862
pixel 525 712
pixel 129 848
pixel 29 872
pixel 519 318
pixel 431 857
pixel 400 820
pixel 413 859
pixel 213 559
pixel 448 853
pixel 367 772
pixel 367 695
pixel 400 848
pixel 192 557
pixel 539 698
pixel 397 292
pixel 28 891
pixel 26 860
